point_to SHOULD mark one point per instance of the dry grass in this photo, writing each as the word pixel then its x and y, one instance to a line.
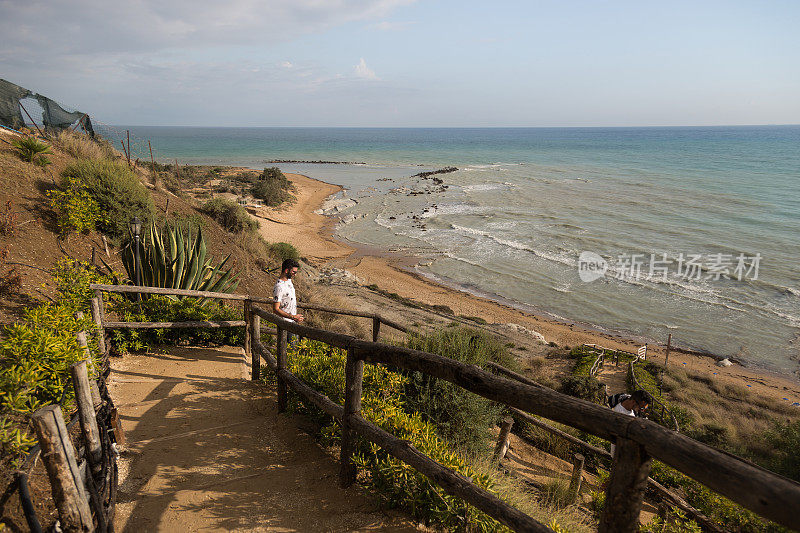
pixel 81 146
pixel 726 415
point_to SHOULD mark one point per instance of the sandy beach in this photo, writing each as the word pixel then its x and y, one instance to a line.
pixel 312 235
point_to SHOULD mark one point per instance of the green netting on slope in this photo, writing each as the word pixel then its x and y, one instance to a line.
pixel 53 115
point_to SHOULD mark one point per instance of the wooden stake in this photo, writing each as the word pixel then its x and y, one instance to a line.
pixel 152 162
pixel 577 477
pixel 354 377
pixel 255 334
pixel 502 440
pixel 58 456
pixel 669 346
pixel 105 245
pixel 128 132
pixel 376 328
pixel 625 491
pixel 89 430
pixel 281 359
pixel 97 316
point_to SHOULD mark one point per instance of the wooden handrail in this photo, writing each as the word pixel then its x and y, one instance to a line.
pixel 766 493
pixel 134 289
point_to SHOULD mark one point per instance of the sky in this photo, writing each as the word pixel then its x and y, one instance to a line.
pixel 406 63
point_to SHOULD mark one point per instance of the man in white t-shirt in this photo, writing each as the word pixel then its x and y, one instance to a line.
pixel 632 405
pixel 285 304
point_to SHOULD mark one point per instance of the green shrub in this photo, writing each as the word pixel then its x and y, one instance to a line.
pixel 77 209
pixel 784 440
pixel 115 189
pixel 272 187
pixel 675 521
pixel 35 356
pixel 396 483
pixel 283 250
pixel 32 150
pixel 230 215
pixel 164 309
pixel 460 417
pixel 584 387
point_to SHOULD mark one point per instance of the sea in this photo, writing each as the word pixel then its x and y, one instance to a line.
pixel 646 232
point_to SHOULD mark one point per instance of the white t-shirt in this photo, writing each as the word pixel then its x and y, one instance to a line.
pixel 284 294
pixel 620 409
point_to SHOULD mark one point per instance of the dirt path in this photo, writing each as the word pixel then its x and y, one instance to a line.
pixel 207 451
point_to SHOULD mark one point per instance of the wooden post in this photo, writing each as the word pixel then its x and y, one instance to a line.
pixel 280 359
pixel 625 491
pixel 128 133
pixel 105 245
pixel 124 150
pixel 97 316
pixel 152 162
pixel 83 397
pixel 502 440
pixel 669 346
pixel 577 477
pixel 376 328
pixel 255 335
pixel 354 377
pixel 97 400
pixel 58 456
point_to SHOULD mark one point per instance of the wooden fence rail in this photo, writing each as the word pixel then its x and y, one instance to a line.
pixel 638 441
pixel 760 490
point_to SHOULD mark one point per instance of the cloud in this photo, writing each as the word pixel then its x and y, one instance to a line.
pixel 390 26
pixel 40 27
pixel 364 72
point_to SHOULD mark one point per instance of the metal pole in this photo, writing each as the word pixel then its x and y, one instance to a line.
pixel 34 122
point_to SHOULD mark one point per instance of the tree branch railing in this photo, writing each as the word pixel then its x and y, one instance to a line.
pixel 638 440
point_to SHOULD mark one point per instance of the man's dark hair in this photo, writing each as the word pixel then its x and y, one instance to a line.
pixel 289 264
pixel 642 397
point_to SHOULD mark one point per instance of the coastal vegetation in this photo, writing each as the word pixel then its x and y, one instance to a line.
pixel 35 355
pixel 272 187
pixel 101 194
pixel 385 402
pixel 230 215
pixel 32 150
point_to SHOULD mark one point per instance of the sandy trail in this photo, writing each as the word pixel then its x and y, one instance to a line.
pixel 207 451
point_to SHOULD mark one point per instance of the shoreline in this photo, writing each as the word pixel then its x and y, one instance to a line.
pixel 313 235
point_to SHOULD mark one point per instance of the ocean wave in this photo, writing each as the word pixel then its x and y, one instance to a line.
pixel 515 245
pixel 480 187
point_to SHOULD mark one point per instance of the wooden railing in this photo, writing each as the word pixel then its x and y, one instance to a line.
pixel 638 441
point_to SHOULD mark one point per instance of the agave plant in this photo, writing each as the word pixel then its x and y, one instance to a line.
pixel 176 259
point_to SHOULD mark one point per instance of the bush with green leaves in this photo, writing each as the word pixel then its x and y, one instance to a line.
pixel 283 250
pixel 272 187
pixel 77 209
pixel 230 215
pixel 36 353
pixel 396 483
pixel 32 150
pixel 159 308
pixel 459 416
pixel 784 441
pixel 115 188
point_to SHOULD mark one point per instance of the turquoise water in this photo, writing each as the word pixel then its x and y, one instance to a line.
pixel 514 219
